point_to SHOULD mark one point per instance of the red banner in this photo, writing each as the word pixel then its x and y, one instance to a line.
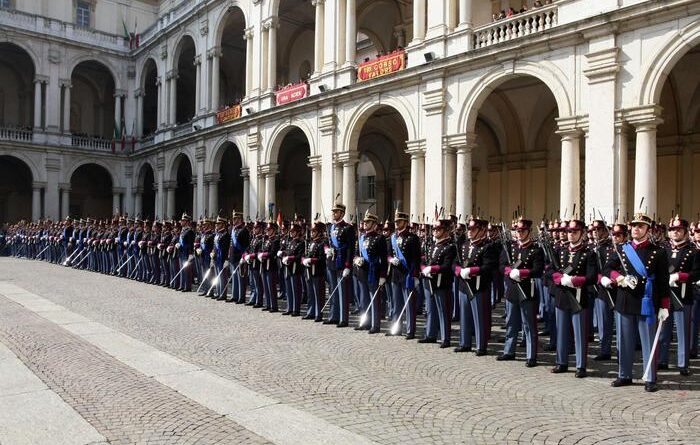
pixel 228 114
pixel 292 93
pixel 382 66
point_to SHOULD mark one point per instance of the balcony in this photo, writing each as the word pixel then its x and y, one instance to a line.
pixel 91 143
pixel 15 134
pixel 518 26
pixel 56 28
pixel 183 9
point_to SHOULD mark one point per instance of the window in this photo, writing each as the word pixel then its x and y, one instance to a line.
pixel 371 187
pixel 82 14
pixel 6 4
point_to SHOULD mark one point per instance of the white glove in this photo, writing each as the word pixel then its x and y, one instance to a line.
pixel 346 272
pixel 279 254
pixel 260 256
pixel 427 271
pixel 606 282
pixel 359 261
pixel 673 279
pixel 212 255
pixel 190 258
pixel 395 261
pixel 663 314
pixel 248 258
pixel 285 260
pixel 125 244
pixel 177 246
pixel 306 262
pixel 566 280
pixel 226 264
pixel 382 281
pixel 416 283
pixel 515 275
pixel 329 253
pixel 199 252
pixel 630 281
pixel 464 273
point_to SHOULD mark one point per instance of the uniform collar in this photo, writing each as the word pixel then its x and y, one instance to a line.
pixel 680 245
pixel 576 248
pixel 643 244
pixel 527 243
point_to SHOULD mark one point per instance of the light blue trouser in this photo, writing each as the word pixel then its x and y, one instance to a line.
pixel 238 285
pixel 681 319
pixel 466 320
pixel 627 328
pixel 565 320
pixel 604 318
pixel 440 297
pixel 431 322
pixel 521 315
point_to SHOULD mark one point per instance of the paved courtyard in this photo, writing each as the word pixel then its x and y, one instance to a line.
pixel 91 359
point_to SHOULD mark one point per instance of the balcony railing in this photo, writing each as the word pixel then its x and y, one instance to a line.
pixel 15 134
pixel 517 26
pixel 148 141
pixel 181 129
pixel 58 28
pixel 182 9
pixel 91 143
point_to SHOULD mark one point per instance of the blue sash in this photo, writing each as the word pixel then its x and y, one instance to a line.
pixel 647 301
pixel 234 241
pixel 372 275
pixel 408 280
pixel 341 248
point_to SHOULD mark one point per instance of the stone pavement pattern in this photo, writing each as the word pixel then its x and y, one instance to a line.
pixel 385 389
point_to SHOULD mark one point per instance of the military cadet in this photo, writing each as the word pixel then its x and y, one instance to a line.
pixel 576 269
pixel 371 267
pixel 251 259
pixel 268 261
pixel 459 237
pixel 154 251
pixel 142 271
pixel 284 240
pixel 438 271
pixel 391 306
pixel 185 248
pixel 314 260
pixel 695 310
pixel 405 264
pixel 206 247
pixel 173 260
pixel 219 262
pixel 339 256
pixel 522 263
pixel 291 261
pixel 604 298
pixel 68 238
pixel 683 273
pixel 639 269
pixel 476 260
pixel 240 240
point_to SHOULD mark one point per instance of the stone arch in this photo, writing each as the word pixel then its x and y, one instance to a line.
pixel 113 176
pixel 363 112
pixel 178 42
pixel 36 60
pixel 484 86
pixel 142 74
pixel 659 66
pixel 220 146
pixel 97 59
pixel 278 134
pixel 91 193
pixel 222 18
pixel 31 164
pixel 16 198
pixel 174 162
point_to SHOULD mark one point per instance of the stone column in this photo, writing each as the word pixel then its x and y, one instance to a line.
pixel 118 110
pixel 464 204
pixel 271 26
pixel 245 174
pixel 621 161
pixel 248 36
pixel 351 32
pixel 37 104
pixel 449 168
pixel 139 95
pixel 418 20
pixel 66 107
pixel 570 185
pixel 53 170
pixel 215 74
pixel 397 197
pixel 170 190
pixel 213 186
pixel 315 165
pixel 197 83
pixel 116 201
pixel 270 172
pixel 465 13
pixel 159 108
pixel 645 168
pixel 193 182
pixel 173 97
pixel 416 150
pixel 138 201
pixel 65 200
pixel 340 25
pixel 36 200
pixel 318 34
pixel 199 192
pixel 349 161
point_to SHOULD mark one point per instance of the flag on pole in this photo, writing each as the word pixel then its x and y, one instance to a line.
pixel 117 134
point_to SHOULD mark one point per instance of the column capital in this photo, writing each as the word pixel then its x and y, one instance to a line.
pixel 197 60
pixel 245 173
pixel 347 157
pixel 38 185
pixel 317 2
pixel 119 93
pixel 248 33
pixel 169 185
pixel 271 22
pixel 193 180
pixel 415 148
pixel 569 127
pixel 268 169
pixel 214 52
pixel 39 78
pixel 118 190
pixel 65 83
pixel 644 118
pixel 212 178
pixel 315 162
pixel 139 92
pixel 139 190
pixel 172 74
pixel 64 186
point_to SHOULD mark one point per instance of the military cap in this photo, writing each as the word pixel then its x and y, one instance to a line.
pixel 575 225
pixel 641 218
pixel 221 220
pixel 476 222
pixel 400 216
pixel 678 223
pixel 185 217
pixel 443 224
pixel 370 217
pixel 339 207
pixel 523 224
pixel 620 229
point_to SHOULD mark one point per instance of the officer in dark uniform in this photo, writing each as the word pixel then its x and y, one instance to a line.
pixel 371 272
pixel 405 264
pixel 524 263
pixel 154 251
pixel 251 259
pixel 240 240
pixel 268 260
pixel 185 247
pixel 291 261
pixel 604 298
pixel 219 257
pixel 475 263
pixel 438 271
pixel 684 272
pixel 314 261
pixel 339 256
pixel 639 269
pixel 576 271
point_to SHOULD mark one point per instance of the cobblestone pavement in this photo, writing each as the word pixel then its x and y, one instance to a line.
pixel 383 388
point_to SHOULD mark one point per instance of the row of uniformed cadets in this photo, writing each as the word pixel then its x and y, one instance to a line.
pixel 569 275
